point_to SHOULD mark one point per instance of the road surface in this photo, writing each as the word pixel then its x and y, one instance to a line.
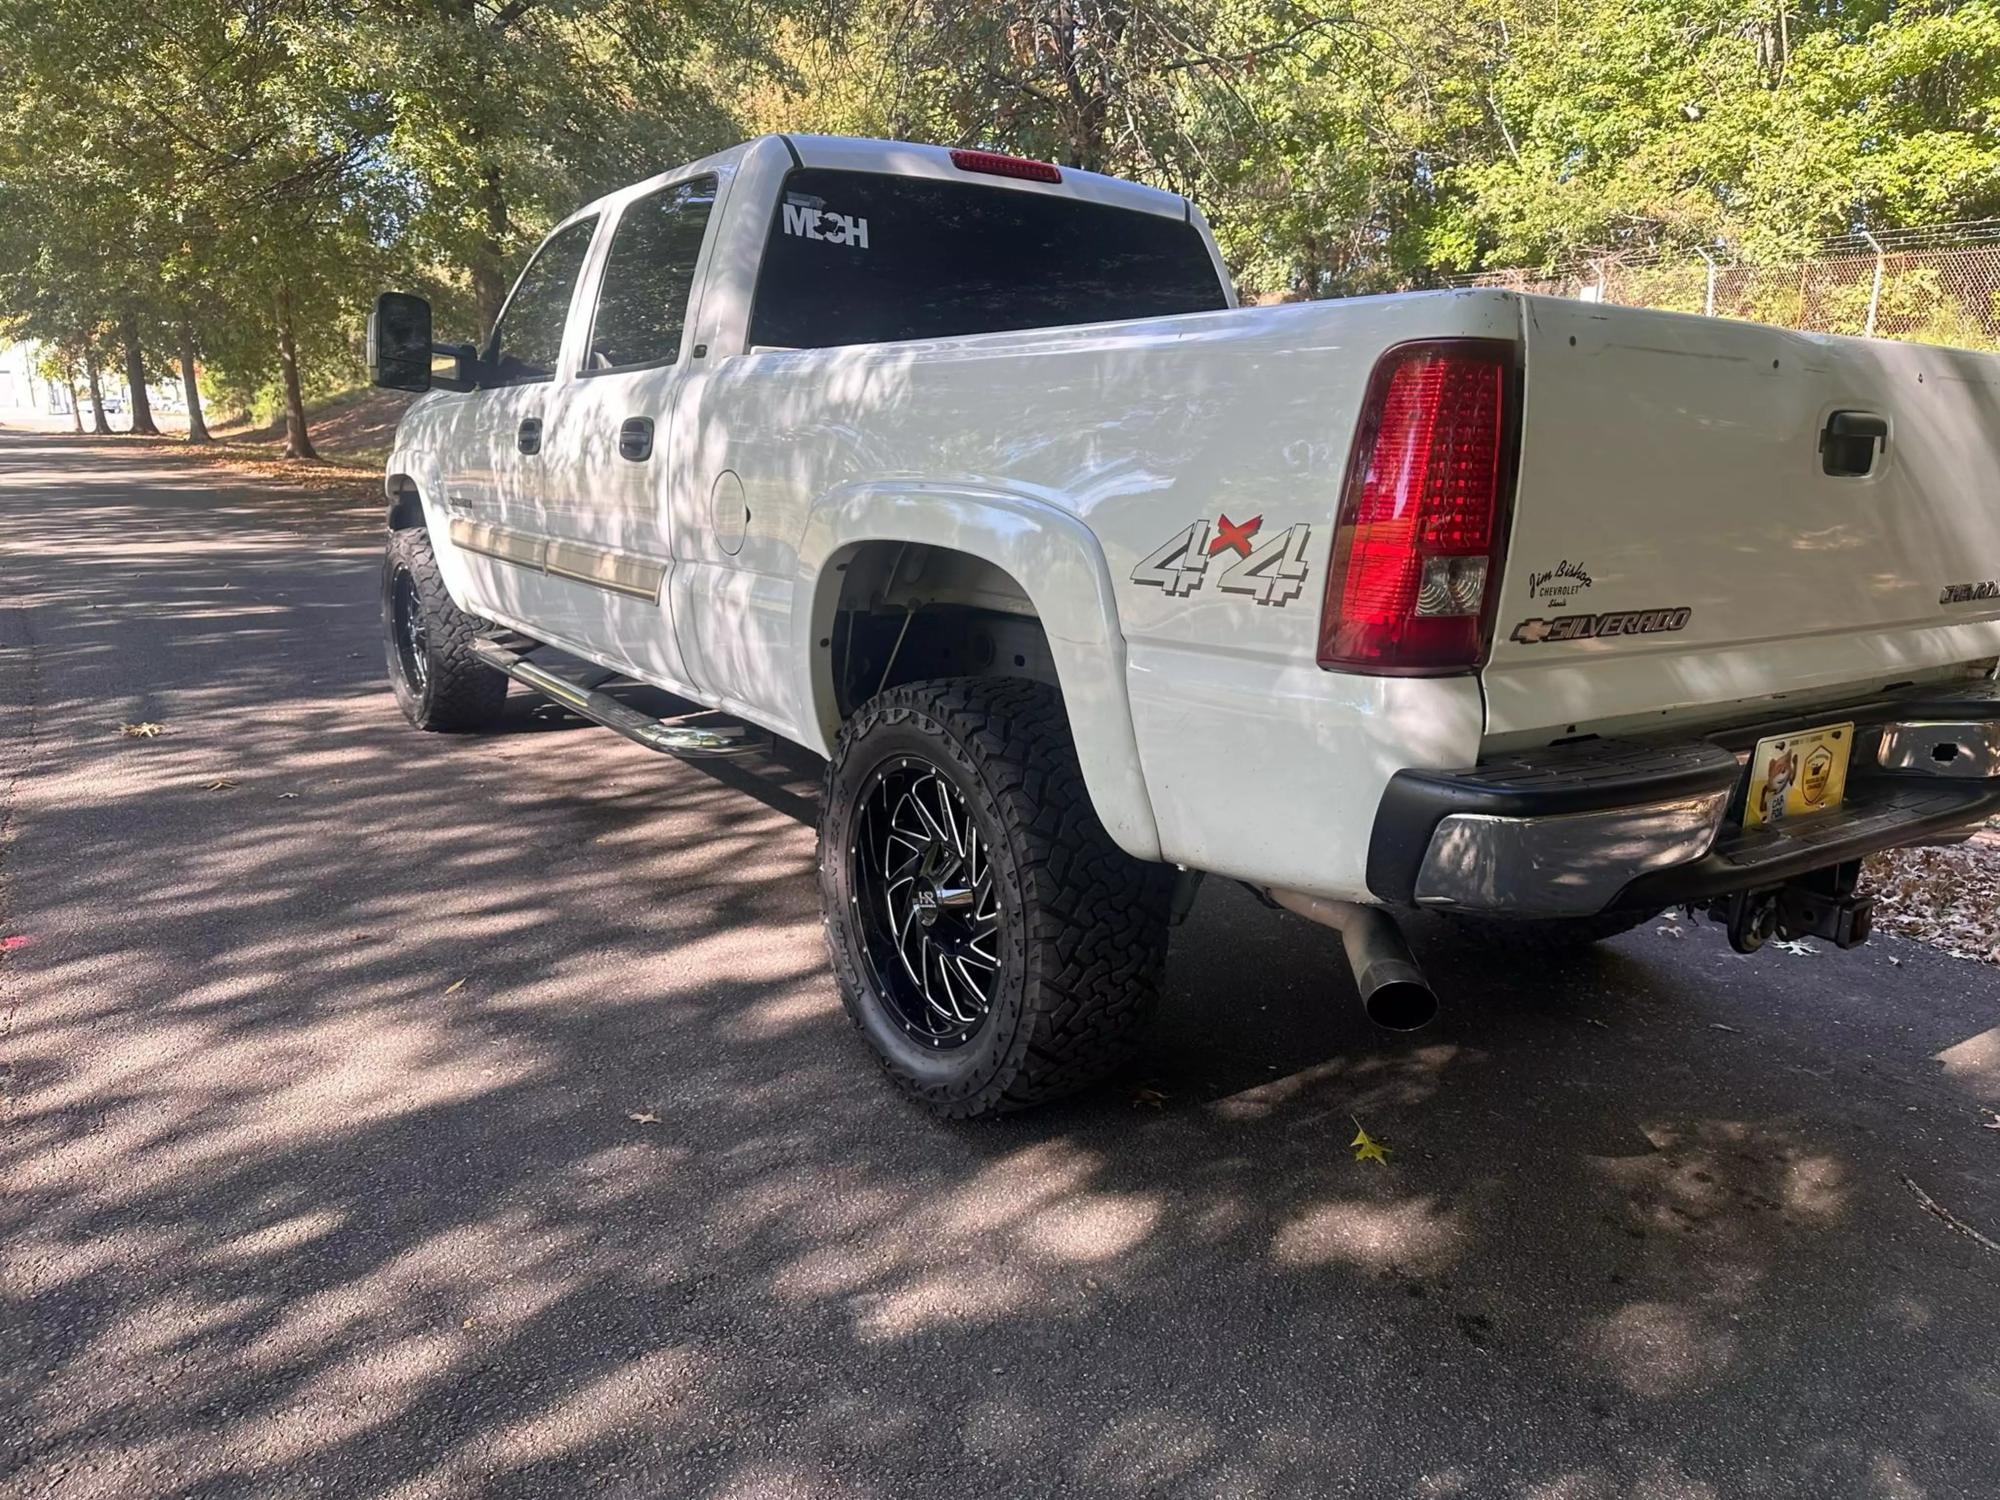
pixel 385 1114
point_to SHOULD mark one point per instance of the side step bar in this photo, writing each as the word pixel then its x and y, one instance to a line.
pixel 577 685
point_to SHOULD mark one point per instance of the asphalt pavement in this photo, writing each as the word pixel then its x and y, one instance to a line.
pixel 385 1114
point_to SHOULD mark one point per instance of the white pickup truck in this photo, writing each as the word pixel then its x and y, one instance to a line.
pixel 968 473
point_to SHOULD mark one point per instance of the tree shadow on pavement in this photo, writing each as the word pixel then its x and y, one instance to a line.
pixel 402 1115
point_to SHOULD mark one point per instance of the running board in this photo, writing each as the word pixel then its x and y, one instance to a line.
pixel 577 686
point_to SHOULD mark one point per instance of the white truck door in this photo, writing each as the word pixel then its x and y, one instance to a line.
pixel 496 457
pixel 612 458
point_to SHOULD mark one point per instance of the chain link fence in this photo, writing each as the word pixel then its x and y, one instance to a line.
pixel 1932 286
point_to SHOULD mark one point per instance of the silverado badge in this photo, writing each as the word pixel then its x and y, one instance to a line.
pixel 1970 593
pixel 1584 627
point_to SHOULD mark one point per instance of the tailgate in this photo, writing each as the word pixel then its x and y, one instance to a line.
pixel 1678 550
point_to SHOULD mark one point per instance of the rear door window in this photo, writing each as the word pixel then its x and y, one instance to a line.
pixel 863 258
pixel 527 340
pixel 642 305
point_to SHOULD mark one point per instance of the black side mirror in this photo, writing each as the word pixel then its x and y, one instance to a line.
pixel 399 342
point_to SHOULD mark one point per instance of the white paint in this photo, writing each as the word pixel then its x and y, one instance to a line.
pixel 1663 457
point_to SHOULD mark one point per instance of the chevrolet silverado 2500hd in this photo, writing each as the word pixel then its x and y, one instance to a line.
pixel 968 473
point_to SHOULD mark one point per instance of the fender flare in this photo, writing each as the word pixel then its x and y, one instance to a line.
pixel 417 468
pixel 1056 561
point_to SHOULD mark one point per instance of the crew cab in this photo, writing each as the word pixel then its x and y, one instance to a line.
pixel 969 473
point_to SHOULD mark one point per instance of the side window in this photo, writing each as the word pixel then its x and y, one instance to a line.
pixel 648 278
pixel 527 341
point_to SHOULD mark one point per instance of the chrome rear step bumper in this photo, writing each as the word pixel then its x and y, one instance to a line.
pixel 579 687
pixel 1602 825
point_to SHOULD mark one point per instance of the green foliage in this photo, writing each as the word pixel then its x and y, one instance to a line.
pixel 1381 143
pixel 253 171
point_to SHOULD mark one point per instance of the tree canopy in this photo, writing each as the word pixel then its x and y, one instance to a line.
pixel 229 181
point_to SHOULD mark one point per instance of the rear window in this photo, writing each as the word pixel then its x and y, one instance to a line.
pixel 866 258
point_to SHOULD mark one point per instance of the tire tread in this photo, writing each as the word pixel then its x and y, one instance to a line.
pixel 465 694
pixel 1097 917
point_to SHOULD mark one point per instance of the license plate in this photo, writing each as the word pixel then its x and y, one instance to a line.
pixel 1797 775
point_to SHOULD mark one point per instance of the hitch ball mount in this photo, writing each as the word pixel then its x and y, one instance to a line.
pixel 1821 904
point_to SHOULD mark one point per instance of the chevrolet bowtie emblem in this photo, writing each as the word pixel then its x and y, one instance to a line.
pixel 1531 631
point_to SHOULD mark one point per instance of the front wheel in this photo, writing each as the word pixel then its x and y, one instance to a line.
pixel 440 682
pixel 993 945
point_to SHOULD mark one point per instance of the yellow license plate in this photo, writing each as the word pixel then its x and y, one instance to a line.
pixel 1797 775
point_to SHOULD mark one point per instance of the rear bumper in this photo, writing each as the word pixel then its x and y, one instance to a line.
pixel 1574 830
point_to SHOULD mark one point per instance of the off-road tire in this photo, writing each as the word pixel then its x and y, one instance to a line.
pixel 1546 934
pixel 1083 927
pixel 457 692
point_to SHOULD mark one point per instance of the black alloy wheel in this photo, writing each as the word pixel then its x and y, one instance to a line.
pixel 927 903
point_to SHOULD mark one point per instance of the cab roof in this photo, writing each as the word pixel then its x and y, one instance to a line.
pixel 907 159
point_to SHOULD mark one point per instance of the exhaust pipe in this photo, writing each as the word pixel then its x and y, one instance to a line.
pixel 1393 989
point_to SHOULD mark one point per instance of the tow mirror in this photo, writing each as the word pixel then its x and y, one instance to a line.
pixel 402 354
pixel 399 342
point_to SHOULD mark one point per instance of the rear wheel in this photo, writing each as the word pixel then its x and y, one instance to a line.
pixel 440 684
pixel 992 944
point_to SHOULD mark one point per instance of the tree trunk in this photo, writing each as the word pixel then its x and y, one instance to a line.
pixel 197 428
pixel 75 401
pixel 298 443
pixel 489 275
pixel 135 377
pixel 97 423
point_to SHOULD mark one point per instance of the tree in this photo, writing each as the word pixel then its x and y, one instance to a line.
pixel 135 374
pixel 510 113
pixel 190 387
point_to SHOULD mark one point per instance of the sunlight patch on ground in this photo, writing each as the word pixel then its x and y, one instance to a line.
pixel 1095 1227
pixel 1974 1065
pixel 1658 1349
pixel 1413 1235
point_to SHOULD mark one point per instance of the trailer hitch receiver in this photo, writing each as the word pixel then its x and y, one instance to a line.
pixel 1822 905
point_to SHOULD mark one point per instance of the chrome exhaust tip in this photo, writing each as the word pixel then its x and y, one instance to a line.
pixel 1394 992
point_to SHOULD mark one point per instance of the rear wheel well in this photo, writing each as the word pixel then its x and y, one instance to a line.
pixel 406 505
pixel 911 612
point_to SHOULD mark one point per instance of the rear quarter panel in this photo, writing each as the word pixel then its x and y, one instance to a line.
pixel 1258 763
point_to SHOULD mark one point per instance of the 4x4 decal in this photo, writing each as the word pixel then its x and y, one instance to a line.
pixel 1272 571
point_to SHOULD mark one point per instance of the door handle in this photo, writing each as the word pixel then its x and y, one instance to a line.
pixel 529 438
pixel 635 439
pixel 1847 443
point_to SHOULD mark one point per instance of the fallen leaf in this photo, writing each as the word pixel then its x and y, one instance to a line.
pixel 642 1117
pixel 1673 932
pixel 288 796
pixel 453 989
pixel 1366 1147
pixel 1798 949
pixel 1718 1026
pixel 1992 1119
pixel 220 784
pixel 470 1323
pixel 145 729
pixel 1593 1021
pixel 1151 1098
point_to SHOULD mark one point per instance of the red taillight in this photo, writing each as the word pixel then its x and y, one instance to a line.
pixel 1006 166
pixel 1416 551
